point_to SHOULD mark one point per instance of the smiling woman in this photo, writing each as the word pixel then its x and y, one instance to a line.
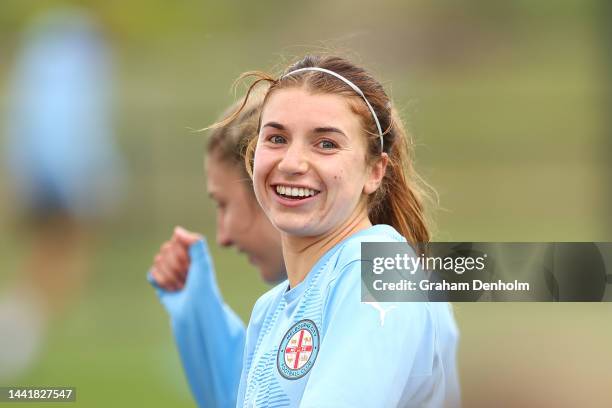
pixel 329 178
pixel 311 153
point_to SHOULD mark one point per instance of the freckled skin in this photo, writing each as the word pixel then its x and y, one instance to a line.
pixel 313 141
pixel 340 174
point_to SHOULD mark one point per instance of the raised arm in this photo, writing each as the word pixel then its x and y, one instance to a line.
pixel 209 335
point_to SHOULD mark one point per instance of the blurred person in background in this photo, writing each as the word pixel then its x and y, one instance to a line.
pixel 64 171
pixel 210 337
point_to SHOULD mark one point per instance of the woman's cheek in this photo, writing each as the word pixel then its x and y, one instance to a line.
pixel 262 161
pixel 261 170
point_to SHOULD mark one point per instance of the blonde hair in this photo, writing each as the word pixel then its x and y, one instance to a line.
pixel 229 142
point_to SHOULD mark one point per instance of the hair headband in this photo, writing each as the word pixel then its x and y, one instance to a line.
pixel 353 87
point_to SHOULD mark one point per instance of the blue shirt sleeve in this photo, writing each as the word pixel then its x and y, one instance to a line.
pixel 357 364
pixel 209 335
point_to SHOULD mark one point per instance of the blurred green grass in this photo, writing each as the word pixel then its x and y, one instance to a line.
pixel 504 102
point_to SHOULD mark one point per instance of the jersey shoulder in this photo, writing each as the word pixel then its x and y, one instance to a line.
pixel 266 301
pixel 349 254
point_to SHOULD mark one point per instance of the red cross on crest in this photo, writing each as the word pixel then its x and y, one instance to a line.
pixel 300 349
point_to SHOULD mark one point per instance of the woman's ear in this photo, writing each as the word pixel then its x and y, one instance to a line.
pixel 376 174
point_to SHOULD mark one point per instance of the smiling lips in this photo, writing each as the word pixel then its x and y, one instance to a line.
pixel 294 192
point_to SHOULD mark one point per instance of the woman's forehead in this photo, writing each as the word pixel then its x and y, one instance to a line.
pixel 222 175
pixel 298 107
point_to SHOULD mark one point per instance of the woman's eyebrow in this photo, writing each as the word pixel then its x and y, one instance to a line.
pixel 328 129
pixel 320 129
pixel 274 125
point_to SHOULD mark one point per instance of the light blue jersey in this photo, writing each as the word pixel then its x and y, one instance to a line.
pixel 317 345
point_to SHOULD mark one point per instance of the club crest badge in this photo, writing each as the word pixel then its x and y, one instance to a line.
pixel 298 350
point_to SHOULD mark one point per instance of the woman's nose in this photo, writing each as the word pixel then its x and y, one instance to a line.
pixel 294 160
pixel 223 238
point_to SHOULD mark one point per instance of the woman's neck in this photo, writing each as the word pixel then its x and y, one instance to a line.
pixel 301 253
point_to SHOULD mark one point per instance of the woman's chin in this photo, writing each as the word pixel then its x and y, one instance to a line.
pixel 297 228
pixel 272 275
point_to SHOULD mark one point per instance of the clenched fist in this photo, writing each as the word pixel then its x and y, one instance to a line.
pixel 171 263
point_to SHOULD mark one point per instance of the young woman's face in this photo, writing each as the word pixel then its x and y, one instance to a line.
pixel 240 220
pixel 310 173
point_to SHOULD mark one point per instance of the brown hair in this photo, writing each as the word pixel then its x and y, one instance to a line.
pixel 399 201
pixel 228 143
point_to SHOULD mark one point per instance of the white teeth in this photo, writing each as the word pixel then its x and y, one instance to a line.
pixel 295 191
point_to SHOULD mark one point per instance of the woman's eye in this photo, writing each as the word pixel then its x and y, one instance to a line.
pixel 277 139
pixel 327 144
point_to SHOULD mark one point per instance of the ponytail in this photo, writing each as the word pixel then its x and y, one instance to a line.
pixel 400 200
